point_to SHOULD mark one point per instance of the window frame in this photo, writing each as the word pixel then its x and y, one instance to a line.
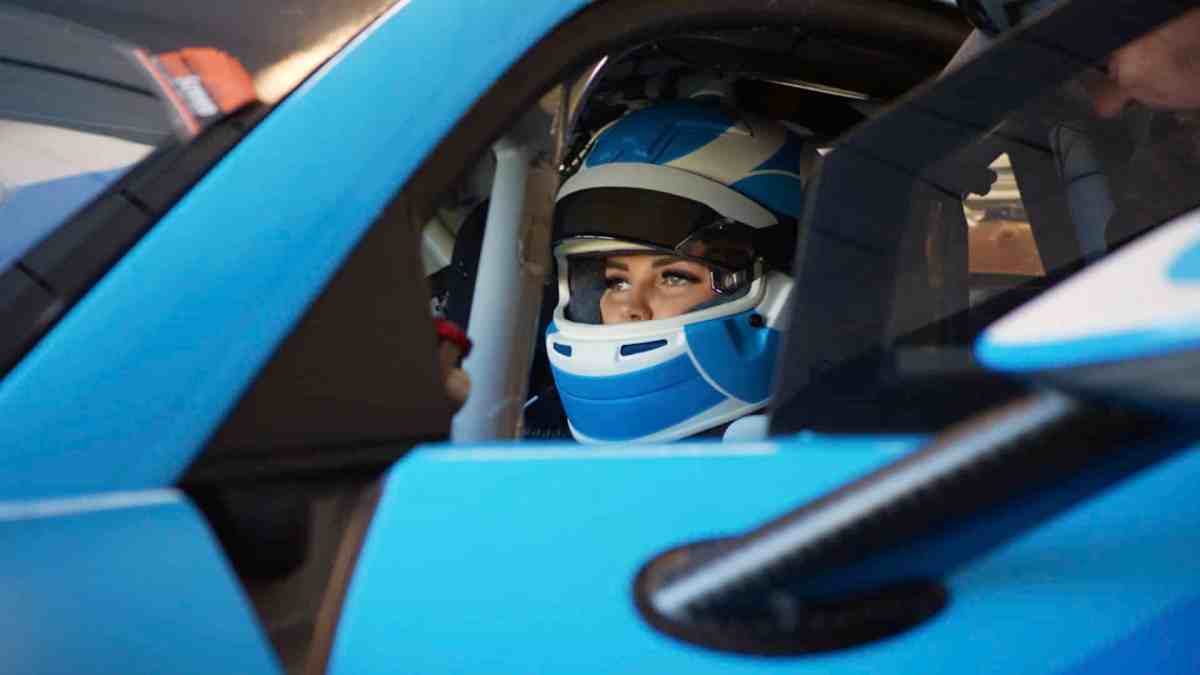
pixel 847 320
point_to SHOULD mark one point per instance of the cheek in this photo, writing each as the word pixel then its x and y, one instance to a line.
pixel 674 304
pixel 608 309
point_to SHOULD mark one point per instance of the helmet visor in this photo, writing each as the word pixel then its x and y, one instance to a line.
pixel 658 220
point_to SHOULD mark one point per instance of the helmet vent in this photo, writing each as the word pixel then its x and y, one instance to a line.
pixel 641 347
pixel 565 350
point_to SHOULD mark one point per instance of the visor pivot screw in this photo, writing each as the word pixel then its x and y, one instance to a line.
pixel 756 320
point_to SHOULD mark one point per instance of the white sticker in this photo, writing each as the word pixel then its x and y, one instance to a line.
pixel 192 90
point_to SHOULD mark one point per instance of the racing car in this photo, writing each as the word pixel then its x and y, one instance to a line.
pixel 227 445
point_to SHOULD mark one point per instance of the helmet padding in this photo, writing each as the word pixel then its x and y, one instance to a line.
pixel 586 279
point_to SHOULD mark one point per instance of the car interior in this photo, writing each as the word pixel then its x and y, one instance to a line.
pixel 779 72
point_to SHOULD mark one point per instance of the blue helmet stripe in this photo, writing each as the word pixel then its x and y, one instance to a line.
pixel 738 356
pixel 660 134
pixel 787 159
pixel 635 417
pixel 783 192
pixel 618 387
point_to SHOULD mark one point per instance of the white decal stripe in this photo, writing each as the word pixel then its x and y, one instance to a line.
pixel 711 382
pixel 774 172
pixel 65 506
pixel 1128 292
pixel 734 154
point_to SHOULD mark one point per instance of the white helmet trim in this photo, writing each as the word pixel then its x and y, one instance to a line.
pixel 717 196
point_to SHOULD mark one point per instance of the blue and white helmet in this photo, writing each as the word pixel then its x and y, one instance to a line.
pixel 700 182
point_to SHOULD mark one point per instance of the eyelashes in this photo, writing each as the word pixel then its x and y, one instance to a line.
pixel 677 276
pixel 615 283
pixel 670 277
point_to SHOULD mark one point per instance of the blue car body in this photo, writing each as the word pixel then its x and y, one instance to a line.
pixel 206 297
pixel 493 558
pixel 120 396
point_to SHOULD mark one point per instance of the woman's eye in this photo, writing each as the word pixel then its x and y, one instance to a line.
pixel 616 283
pixel 679 278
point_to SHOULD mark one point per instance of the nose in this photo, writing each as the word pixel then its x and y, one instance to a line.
pixel 636 307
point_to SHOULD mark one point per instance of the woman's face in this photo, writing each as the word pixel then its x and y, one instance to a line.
pixel 647 286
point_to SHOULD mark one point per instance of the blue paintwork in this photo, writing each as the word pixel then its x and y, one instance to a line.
pixel 121 583
pixel 186 319
pixel 737 356
pixel 1166 644
pixel 1091 350
pixel 542 584
pixel 635 404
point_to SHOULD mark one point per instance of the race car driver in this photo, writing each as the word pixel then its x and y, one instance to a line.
pixel 673 243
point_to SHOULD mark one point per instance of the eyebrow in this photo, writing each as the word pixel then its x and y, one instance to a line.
pixel 668 260
pixel 661 261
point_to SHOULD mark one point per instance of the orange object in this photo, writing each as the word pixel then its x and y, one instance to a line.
pixel 225 81
pixel 200 83
pixel 183 112
pixel 1002 246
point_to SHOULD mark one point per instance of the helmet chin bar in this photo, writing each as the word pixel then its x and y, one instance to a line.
pixel 670 378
